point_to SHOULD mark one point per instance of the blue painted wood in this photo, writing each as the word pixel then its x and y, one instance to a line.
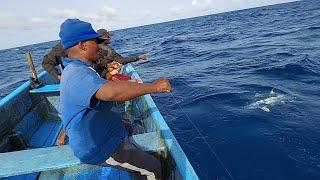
pixel 84 172
pixel 158 138
pixel 46 135
pixel 40 159
pixel 36 160
pixel 47 89
pixel 17 104
pixel 184 167
pixel 31 176
pixel 29 124
pixel 23 113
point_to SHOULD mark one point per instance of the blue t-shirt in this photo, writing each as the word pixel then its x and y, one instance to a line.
pixel 94 130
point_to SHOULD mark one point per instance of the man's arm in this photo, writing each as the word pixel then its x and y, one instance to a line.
pixel 52 59
pixel 114 56
pixel 125 90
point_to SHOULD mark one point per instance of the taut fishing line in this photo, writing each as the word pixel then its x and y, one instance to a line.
pixel 195 127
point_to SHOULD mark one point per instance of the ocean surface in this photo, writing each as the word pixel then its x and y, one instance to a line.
pixel 246 87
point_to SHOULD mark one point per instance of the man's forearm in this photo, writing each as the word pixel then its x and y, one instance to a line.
pixel 122 60
pixel 126 60
pixel 123 90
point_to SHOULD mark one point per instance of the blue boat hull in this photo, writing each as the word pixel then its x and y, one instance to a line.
pixel 32 120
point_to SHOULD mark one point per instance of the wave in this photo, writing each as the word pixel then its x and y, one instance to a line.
pixel 230 98
pixel 287 70
pixel 313 28
pixel 281 33
pixel 284 54
pixel 172 41
pixel 303 67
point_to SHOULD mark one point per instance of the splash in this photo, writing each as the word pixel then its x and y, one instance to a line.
pixel 272 99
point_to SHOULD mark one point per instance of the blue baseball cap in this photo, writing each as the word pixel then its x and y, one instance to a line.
pixel 74 31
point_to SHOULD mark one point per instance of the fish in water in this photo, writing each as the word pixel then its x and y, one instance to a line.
pixel 272 99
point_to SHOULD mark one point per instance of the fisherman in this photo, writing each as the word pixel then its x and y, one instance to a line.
pixel 107 56
pixel 96 133
pixel 108 64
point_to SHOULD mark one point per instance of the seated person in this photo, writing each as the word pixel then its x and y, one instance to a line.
pixel 106 55
pixel 96 133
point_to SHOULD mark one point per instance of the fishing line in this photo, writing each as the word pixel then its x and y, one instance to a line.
pixel 198 131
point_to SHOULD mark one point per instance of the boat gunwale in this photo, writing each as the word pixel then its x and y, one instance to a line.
pixel 182 162
pixel 18 91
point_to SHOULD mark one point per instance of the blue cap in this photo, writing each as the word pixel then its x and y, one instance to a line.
pixel 73 31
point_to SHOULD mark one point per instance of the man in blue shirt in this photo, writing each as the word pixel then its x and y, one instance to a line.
pixel 96 133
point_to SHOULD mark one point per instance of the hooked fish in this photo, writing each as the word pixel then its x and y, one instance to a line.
pixel 272 99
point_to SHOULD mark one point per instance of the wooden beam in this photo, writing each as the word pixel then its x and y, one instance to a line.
pixel 57 157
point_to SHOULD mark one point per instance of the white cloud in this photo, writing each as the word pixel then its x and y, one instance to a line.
pixel 110 12
pixel 201 3
pixel 61 14
pixel 12 21
pixel 97 18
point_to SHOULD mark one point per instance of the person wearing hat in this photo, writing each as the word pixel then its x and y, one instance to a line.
pixel 110 57
pixel 96 133
pixel 108 64
pixel 107 58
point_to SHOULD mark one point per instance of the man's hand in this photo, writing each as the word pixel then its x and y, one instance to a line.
pixel 143 57
pixel 62 138
pixel 113 68
pixel 162 85
pixel 114 65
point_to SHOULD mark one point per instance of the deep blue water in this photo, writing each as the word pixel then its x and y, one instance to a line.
pixel 223 68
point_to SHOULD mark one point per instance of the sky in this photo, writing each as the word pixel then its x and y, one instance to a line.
pixel 34 21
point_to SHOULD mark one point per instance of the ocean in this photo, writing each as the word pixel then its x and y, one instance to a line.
pixel 246 87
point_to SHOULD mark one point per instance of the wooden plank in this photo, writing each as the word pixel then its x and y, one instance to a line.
pixel 44 159
pixel 36 160
pixel 46 135
pixel 47 89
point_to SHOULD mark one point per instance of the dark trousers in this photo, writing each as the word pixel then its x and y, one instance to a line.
pixel 132 159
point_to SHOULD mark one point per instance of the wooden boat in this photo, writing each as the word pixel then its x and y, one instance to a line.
pixel 30 123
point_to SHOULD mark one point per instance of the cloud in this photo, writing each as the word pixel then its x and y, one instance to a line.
pixel 110 12
pixel 62 13
pixel 201 3
pixel 12 21
pixel 98 19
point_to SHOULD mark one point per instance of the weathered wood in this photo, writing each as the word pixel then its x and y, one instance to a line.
pixel 31 65
pixel 57 157
pixel 35 160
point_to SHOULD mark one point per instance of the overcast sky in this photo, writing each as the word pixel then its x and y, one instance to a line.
pixel 35 21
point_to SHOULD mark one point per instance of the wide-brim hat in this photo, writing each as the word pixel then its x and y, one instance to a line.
pixel 74 31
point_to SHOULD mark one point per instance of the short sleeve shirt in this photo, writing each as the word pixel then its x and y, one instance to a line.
pixel 94 129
